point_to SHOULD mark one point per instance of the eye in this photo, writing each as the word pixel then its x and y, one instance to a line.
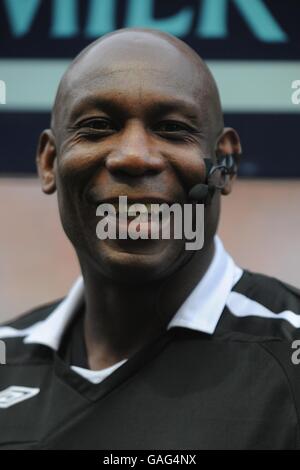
pixel 170 126
pixel 177 131
pixel 97 124
pixel 94 128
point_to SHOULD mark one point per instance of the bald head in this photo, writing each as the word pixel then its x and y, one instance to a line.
pixel 145 53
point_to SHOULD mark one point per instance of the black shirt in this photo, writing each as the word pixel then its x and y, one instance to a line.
pixel 233 387
pixel 73 349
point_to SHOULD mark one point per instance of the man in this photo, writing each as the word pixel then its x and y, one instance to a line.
pixel 156 346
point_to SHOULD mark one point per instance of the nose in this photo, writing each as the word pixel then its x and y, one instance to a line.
pixel 134 155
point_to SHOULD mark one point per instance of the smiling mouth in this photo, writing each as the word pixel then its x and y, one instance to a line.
pixel 136 220
pixel 132 207
pixel 151 217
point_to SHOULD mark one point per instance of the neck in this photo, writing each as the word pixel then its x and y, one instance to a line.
pixel 121 318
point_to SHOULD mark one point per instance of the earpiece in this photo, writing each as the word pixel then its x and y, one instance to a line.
pixel 203 192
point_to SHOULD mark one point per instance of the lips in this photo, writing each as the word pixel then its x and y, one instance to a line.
pixel 131 205
pixel 151 216
pixel 137 208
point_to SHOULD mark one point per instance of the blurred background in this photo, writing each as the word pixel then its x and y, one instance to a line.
pixel 252 48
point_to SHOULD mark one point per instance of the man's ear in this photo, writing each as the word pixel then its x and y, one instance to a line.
pixel 46 161
pixel 229 144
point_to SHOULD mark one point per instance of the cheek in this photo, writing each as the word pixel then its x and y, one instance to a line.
pixel 189 166
pixel 78 162
pixel 74 170
pixel 66 207
pixel 68 197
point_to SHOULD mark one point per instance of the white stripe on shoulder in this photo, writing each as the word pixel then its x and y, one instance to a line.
pixel 10 332
pixel 241 306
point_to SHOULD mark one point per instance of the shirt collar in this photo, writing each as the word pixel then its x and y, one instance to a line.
pixel 203 308
pixel 200 311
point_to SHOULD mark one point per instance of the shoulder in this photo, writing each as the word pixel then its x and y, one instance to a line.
pixel 14 332
pixel 265 306
pixel 268 291
pixel 31 317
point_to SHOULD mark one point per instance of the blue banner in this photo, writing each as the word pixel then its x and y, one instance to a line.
pixel 251 46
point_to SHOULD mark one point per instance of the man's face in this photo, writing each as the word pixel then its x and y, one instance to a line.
pixel 132 124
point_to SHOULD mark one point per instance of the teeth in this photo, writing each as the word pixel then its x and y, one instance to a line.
pixel 137 208
pixel 156 209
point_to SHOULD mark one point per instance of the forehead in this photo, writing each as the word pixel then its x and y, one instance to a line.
pixel 135 72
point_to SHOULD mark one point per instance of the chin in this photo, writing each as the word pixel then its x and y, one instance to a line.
pixel 137 262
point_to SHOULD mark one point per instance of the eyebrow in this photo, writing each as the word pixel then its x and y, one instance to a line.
pixel 188 109
pixel 156 109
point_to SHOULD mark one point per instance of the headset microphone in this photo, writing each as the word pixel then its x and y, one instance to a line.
pixel 199 193
pixel 203 192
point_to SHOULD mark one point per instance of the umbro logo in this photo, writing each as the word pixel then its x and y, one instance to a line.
pixel 14 394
